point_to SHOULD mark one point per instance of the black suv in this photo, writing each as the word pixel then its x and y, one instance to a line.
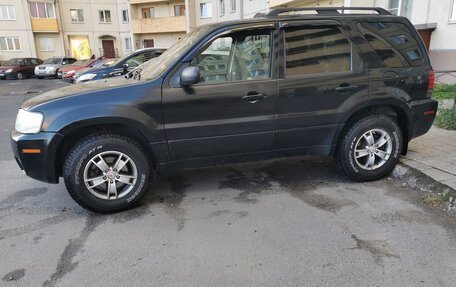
pixel 353 85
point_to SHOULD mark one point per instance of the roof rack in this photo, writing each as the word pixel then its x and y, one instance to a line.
pixel 323 10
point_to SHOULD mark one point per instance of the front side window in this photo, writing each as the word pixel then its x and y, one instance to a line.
pixel 240 56
pixel 135 61
pixel 42 10
pixel 47 44
pixel 314 50
pixel 393 42
pixel 206 10
pixel 104 16
pixel 7 12
pixel 77 15
pixel 10 44
pixel 125 17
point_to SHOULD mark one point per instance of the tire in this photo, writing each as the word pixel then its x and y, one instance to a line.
pixel 365 139
pixel 19 76
pixel 79 168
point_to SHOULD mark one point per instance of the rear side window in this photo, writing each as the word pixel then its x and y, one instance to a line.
pixel 313 50
pixel 393 42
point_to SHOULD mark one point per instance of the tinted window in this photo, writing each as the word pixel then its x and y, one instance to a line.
pixel 312 50
pixel 393 42
pixel 236 57
pixel 35 62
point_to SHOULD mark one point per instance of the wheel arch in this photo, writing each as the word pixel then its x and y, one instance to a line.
pixel 400 111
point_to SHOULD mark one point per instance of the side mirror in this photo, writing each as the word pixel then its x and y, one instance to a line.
pixel 190 75
pixel 125 67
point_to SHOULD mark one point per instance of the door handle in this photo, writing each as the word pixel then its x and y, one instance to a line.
pixel 346 88
pixel 254 97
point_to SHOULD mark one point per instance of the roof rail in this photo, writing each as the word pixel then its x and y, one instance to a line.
pixel 325 10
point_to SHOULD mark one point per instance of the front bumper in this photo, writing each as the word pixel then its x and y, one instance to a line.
pixel 44 73
pixel 10 75
pixel 424 112
pixel 40 166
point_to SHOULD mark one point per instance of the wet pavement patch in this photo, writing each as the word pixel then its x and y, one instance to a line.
pixel 247 184
pixel 378 249
pixel 14 275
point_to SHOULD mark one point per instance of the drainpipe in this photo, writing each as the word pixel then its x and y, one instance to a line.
pixel 59 11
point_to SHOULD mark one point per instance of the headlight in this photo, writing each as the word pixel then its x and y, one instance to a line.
pixel 28 122
pixel 86 77
pixel 9 71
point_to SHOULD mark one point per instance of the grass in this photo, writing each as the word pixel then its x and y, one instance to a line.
pixel 435 200
pixel 445 119
pixel 444 92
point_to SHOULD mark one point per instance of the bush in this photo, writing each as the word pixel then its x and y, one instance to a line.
pixel 444 91
pixel 446 119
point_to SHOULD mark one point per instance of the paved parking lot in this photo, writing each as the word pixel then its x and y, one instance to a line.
pixel 278 223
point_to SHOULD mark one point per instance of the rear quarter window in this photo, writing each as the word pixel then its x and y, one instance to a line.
pixel 393 42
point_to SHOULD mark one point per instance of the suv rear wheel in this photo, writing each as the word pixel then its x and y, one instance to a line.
pixel 370 148
pixel 107 173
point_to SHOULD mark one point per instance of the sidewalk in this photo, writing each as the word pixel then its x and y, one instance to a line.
pixel 435 155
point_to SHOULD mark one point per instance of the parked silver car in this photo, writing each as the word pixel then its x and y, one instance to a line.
pixel 50 67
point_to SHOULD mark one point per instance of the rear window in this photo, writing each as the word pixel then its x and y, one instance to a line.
pixel 393 42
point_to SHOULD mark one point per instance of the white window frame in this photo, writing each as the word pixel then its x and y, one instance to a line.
pixel 77 22
pixel 233 6
pixel 125 13
pixel 398 8
pixel 104 17
pixel 48 47
pixel 8 12
pixel 222 7
pixel 452 17
pixel 14 44
pixel 45 9
pixel 128 41
pixel 201 10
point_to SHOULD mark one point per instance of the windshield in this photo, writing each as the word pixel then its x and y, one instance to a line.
pixel 13 62
pixel 106 64
pixel 81 63
pixel 156 66
pixel 53 61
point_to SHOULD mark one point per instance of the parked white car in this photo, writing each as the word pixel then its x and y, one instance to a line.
pixel 50 67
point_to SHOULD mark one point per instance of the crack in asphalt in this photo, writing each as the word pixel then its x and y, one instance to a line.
pixel 65 263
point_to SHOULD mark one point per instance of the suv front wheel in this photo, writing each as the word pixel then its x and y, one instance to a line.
pixel 107 173
pixel 370 148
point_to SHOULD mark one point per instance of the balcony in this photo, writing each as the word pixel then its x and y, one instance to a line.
pixel 159 25
pixel 45 25
pixel 147 1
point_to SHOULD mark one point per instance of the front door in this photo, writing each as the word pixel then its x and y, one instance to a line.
pixel 232 109
pixel 108 49
pixel 322 81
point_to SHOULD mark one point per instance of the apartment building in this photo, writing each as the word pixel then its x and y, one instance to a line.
pixel 96 27
pixel 77 28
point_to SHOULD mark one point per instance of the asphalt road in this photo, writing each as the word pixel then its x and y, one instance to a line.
pixel 277 223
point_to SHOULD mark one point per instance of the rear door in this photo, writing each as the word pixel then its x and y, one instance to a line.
pixel 232 110
pixel 322 80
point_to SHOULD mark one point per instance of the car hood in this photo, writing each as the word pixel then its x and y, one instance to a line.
pixel 69 68
pixel 4 68
pixel 75 90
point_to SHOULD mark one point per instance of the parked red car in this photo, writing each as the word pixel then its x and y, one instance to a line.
pixel 67 72
pixel 19 68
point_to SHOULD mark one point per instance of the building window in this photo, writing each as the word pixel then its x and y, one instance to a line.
pixel 10 44
pixel 206 10
pixel 179 10
pixel 46 44
pixel 148 12
pixel 7 12
pixel 128 43
pixel 453 11
pixel 104 16
pixel 125 17
pixel 233 5
pixel 42 10
pixel 77 15
pixel 400 7
pixel 222 7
